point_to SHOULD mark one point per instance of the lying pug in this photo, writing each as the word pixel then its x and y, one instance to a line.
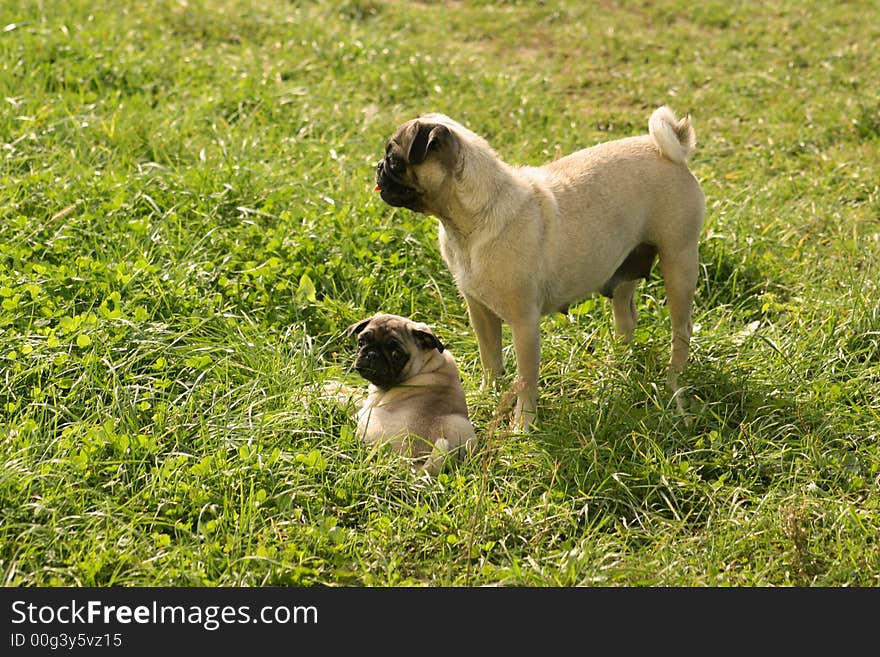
pixel 523 242
pixel 415 400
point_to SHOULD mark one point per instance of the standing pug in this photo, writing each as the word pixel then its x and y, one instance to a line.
pixel 523 242
pixel 415 400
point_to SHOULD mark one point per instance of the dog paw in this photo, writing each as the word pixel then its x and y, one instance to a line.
pixel 342 394
pixel 434 462
pixel 491 383
pixel 523 420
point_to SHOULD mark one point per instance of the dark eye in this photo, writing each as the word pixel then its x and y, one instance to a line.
pixel 396 164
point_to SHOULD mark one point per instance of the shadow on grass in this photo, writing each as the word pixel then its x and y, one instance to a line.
pixel 622 449
pixel 728 277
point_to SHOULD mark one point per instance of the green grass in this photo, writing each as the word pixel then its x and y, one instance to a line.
pixel 187 226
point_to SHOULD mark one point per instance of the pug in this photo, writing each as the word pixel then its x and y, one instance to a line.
pixel 522 242
pixel 415 401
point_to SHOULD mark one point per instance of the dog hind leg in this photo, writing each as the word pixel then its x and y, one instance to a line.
pixel 680 270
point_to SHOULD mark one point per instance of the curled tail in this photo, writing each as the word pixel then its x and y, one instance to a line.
pixel 675 138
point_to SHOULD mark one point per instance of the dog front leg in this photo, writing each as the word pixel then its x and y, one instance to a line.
pixel 624 309
pixel 487 327
pixel 527 345
pixel 436 459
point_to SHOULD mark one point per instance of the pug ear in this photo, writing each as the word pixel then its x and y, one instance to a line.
pixel 357 327
pixel 428 136
pixel 425 339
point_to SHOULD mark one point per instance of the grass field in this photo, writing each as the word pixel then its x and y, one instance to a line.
pixel 188 225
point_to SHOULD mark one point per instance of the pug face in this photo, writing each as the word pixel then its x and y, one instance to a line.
pixel 392 349
pixel 418 159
